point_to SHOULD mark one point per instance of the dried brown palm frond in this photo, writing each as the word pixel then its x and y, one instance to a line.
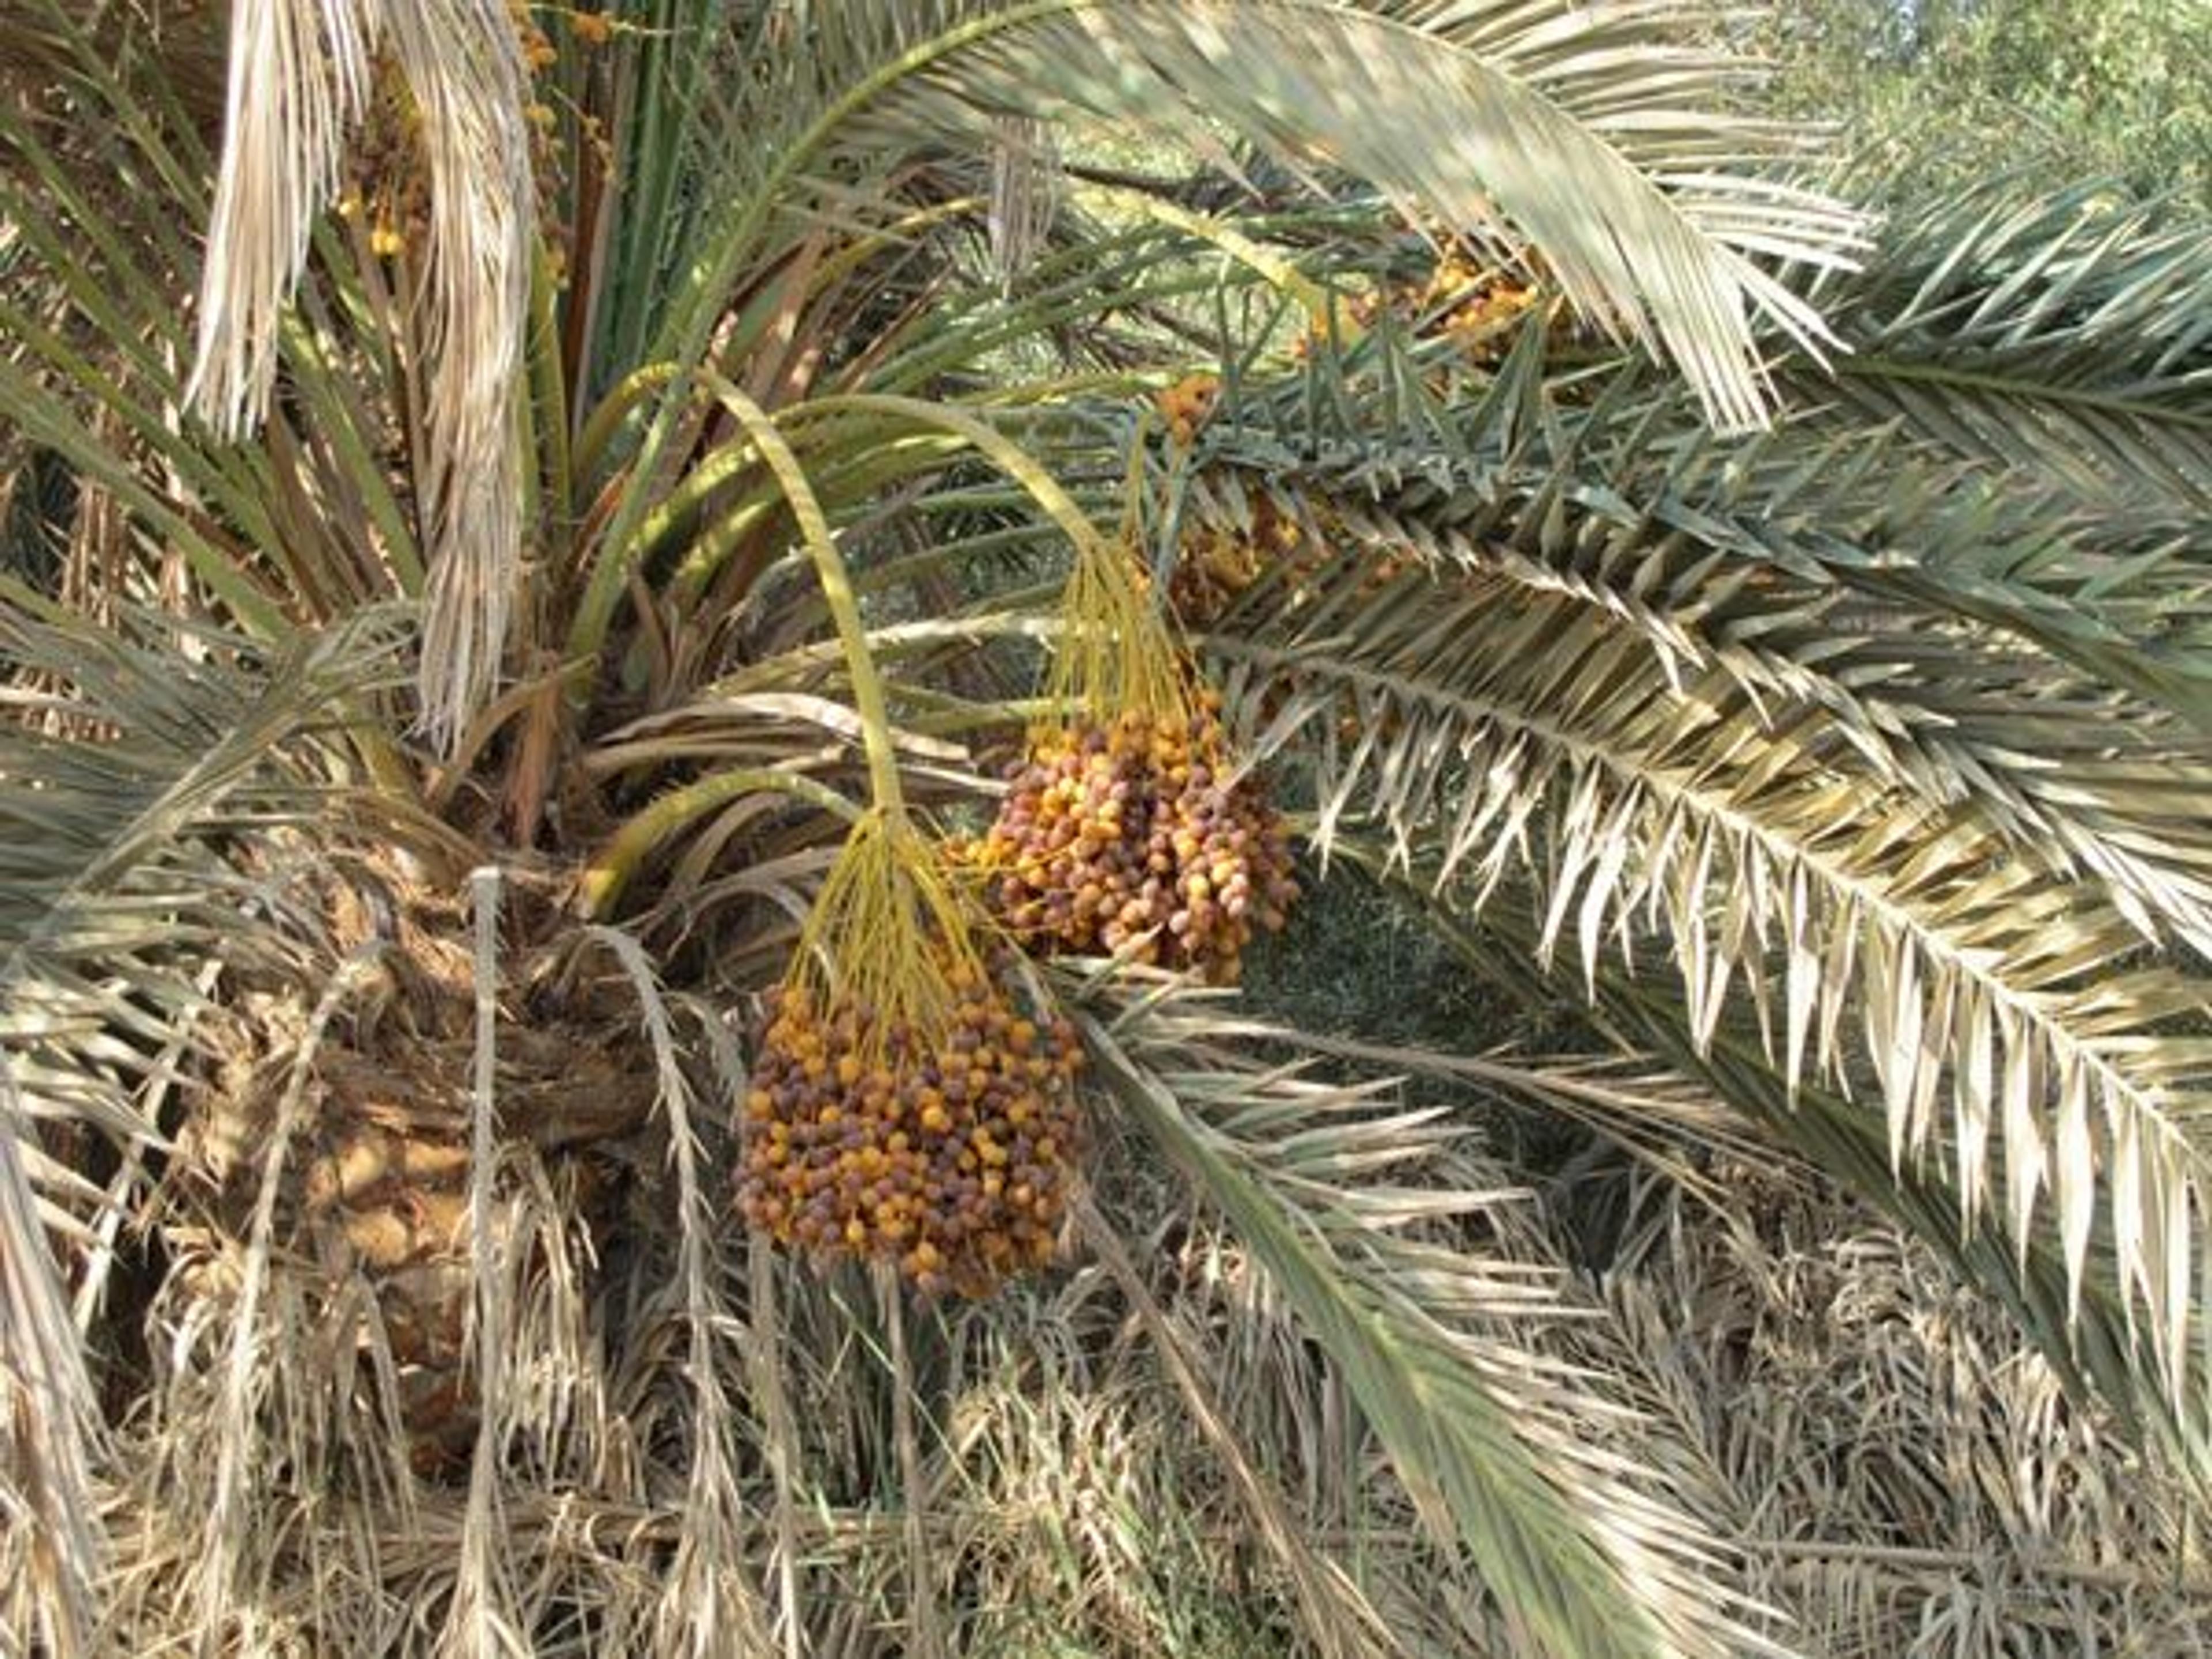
pixel 50 1543
pixel 121 898
pixel 713 1599
pixel 389 1310
pixel 1914 1483
pixel 300 80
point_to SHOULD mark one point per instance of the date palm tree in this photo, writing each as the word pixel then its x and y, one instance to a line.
pixel 612 454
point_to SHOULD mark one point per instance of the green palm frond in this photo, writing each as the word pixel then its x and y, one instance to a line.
pixel 1883 943
pixel 2087 1331
pixel 1599 133
pixel 2061 337
pixel 1577 1542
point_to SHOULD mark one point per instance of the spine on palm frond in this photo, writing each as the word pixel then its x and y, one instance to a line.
pixel 1887 942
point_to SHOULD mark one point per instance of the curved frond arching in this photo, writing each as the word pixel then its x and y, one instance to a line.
pixel 1603 133
pixel 2087 1329
pixel 2003 1017
pixel 1716 559
pixel 1600 132
pixel 1582 126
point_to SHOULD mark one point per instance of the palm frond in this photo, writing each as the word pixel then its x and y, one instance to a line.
pixel 1881 942
pixel 1601 133
pixel 300 79
pixel 313 520
pixel 296 91
pixel 1811 510
pixel 49 1424
pixel 1909 1476
pixel 1563 121
pixel 125 780
pixel 124 776
pixel 1705 551
pixel 2058 337
pixel 2086 1329
pixel 1491 1436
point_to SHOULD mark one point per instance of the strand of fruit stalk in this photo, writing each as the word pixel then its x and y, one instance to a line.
pixel 885 911
pixel 869 701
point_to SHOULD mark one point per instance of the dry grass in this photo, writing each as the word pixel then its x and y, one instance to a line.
pixel 1909 1476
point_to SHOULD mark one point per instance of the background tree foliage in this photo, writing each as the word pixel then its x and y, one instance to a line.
pixel 2057 90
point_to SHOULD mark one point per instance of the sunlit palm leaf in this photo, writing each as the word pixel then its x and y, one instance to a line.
pixel 1718 559
pixel 1564 120
pixel 1596 131
pixel 2060 337
pixel 1882 941
pixel 1831 510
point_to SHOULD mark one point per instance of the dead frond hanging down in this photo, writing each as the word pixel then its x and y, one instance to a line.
pixel 300 80
pixel 47 1416
pixel 461 61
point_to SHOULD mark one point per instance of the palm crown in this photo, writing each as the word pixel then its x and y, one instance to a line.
pixel 635 456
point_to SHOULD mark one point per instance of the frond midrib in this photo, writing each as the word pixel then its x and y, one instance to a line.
pixel 1933 372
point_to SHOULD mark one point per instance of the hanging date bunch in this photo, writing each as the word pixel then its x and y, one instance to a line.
pixel 1127 829
pixel 908 1103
